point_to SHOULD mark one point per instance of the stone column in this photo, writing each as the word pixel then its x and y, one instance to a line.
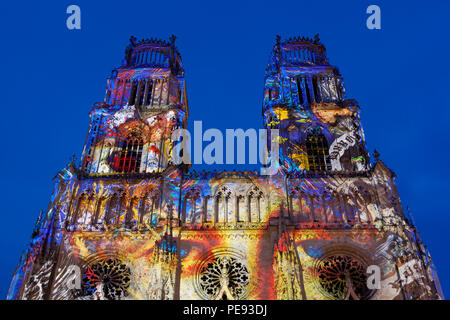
pixel 300 204
pixel 216 209
pixel 236 208
pixel 183 218
pixel 249 208
pixel 205 208
pixel 311 208
pixel 225 208
pixel 324 208
pixel 258 205
pixel 147 86
pixel 343 208
pixel 194 209
pixel 355 200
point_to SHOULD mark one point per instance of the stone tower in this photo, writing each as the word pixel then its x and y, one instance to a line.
pixel 128 223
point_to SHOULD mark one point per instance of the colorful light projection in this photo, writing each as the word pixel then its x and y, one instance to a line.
pixel 138 227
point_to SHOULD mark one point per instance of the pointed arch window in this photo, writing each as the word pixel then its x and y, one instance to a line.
pixel 110 212
pixel 133 211
pixel 101 207
pixel 129 158
pixel 316 88
pixel 222 205
pixel 80 208
pixel 150 208
pixel 193 210
pixel 317 150
pixel 254 198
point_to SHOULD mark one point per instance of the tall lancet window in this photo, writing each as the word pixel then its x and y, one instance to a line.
pixel 317 150
pixel 316 89
pixel 133 92
pixel 129 158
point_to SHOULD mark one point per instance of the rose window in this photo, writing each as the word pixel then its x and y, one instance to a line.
pixel 223 277
pixel 107 279
pixel 343 277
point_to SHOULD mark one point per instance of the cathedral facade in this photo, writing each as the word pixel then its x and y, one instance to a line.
pixel 127 222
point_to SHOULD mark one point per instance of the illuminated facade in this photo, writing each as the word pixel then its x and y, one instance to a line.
pixel 134 225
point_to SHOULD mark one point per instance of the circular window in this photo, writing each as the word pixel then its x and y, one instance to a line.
pixel 107 279
pixel 222 276
pixel 343 276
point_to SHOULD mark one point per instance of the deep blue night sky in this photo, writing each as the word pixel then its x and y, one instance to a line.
pixel 51 76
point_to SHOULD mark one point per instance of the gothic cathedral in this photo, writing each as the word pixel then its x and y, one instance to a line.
pixel 127 222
